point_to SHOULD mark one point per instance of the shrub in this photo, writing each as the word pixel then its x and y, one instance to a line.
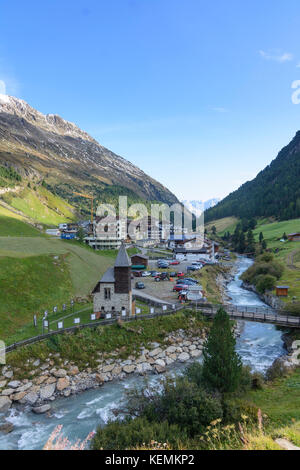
pixel 185 404
pixel 234 408
pixel 264 283
pixel 135 432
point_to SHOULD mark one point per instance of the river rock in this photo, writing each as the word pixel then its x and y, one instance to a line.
pixel 18 396
pixel 62 384
pixel 171 350
pixel 5 404
pixel 192 347
pixel 160 362
pixel 31 398
pixel 47 391
pixel 155 352
pixel 8 374
pixel 6 428
pixel 36 363
pixel 117 370
pixel 60 373
pixel 40 380
pixel 183 357
pixel 3 383
pixel 24 387
pixel 108 368
pixel 7 392
pixel 41 409
pixel 129 369
pixel 159 369
pixel 143 368
pixel 14 384
pixel 196 353
pixel 74 370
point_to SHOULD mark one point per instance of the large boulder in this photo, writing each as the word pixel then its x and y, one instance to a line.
pixel 31 398
pixel 62 384
pixel 5 404
pixel 47 391
pixel 183 357
pixel 155 352
pixel 41 409
pixel 60 373
pixel 14 384
pixel 129 369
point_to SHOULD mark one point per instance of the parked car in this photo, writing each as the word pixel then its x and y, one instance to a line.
pixel 139 285
pixel 191 268
pixel 175 263
pixel 146 274
pixel 180 287
pixel 173 274
pixel 180 274
pixel 185 282
pixel 137 273
pixel 191 279
pixel 155 273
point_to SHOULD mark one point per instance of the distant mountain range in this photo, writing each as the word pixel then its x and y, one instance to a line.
pixel 197 207
pixel 275 192
pixel 46 147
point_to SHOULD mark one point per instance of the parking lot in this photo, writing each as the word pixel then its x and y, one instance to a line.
pixel 163 289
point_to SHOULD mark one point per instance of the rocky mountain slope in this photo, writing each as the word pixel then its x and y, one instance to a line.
pixel 46 147
pixel 275 192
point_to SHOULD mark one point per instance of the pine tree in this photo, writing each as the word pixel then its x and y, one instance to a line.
pixel 222 366
pixel 214 230
pixel 261 237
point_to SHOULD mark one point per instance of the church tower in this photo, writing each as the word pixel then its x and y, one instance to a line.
pixel 122 269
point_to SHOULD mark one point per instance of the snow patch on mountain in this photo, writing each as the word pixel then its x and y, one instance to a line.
pixel 198 207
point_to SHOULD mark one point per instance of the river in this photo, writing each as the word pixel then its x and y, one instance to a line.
pixel 258 344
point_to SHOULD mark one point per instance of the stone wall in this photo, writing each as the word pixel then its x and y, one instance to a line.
pixel 57 377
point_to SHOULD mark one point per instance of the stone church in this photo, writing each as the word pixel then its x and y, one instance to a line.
pixel 113 293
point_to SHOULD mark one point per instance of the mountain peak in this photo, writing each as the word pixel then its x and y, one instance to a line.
pixel 49 122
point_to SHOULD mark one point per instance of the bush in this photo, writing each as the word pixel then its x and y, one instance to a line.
pixel 264 283
pixel 135 432
pixel 234 408
pixel 185 404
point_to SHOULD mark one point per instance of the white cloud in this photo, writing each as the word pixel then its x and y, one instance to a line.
pixel 277 56
pixel 2 87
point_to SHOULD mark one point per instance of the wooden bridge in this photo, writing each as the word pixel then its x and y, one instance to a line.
pixel 252 313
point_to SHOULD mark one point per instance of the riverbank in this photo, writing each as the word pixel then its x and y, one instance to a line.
pixel 55 376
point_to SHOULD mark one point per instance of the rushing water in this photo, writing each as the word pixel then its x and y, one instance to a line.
pixel 259 344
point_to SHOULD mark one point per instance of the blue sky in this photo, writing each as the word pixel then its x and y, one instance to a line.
pixel 196 93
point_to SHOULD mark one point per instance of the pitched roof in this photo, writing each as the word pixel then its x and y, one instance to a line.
pixel 138 255
pixel 122 260
pixel 108 276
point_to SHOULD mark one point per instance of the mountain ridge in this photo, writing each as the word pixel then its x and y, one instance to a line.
pixel 47 147
pixel 274 192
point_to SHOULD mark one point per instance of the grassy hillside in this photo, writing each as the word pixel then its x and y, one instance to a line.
pixel 286 252
pixel 40 205
pixel 275 191
pixel 227 224
pixel 37 273
pixel 14 227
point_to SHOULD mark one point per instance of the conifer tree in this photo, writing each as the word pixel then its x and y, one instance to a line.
pixel 222 365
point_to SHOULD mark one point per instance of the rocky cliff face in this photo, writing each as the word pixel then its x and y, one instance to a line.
pixel 53 148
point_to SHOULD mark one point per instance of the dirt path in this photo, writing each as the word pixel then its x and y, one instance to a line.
pixel 286 445
pixel 290 259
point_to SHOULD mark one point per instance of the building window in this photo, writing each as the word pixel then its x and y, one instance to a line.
pixel 107 293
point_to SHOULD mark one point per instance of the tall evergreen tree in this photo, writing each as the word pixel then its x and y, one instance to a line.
pixel 222 365
pixel 261 237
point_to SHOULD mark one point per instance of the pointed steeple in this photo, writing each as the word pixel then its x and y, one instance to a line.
pixel 122 260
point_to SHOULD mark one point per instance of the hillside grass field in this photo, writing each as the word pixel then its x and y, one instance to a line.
pixel 288 253
pixel 38 273
pixel 40 205
pixel 16 227
pixel 227 224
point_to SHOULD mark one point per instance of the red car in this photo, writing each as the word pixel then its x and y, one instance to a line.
pixel 180 275
pixel 174 263
pixel 180 287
